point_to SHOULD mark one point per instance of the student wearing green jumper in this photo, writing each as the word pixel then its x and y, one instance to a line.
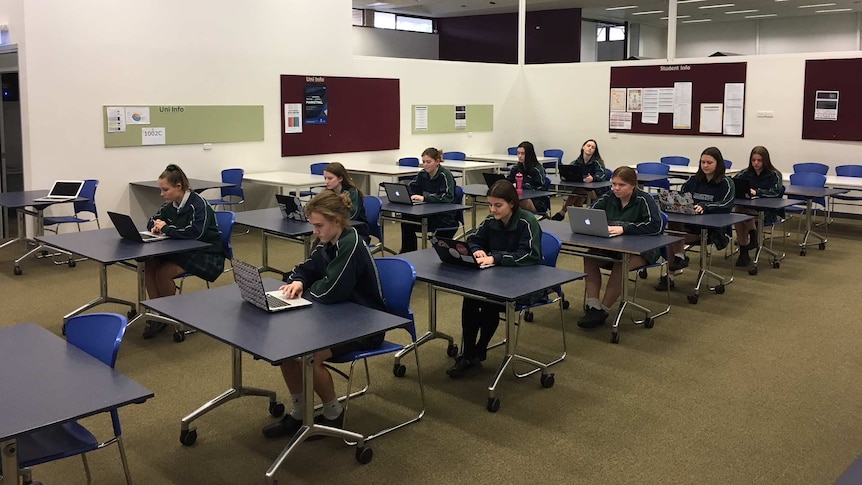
pixel 510 236
pixel 433 185
pixel 630 211
pixel 765 181
pixel 339 269
pixel 185 215
pixel 337 179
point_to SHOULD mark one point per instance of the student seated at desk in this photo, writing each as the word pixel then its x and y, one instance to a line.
pixel 339 269
pixel 713 193
pixel 594 171
pixel 510 236
pixel 630 211
pixel 533 178
pixel 765 181
pixel 185 215
pixel 337 179
pixel 433 185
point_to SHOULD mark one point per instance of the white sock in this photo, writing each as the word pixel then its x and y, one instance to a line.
pixel 594 303
pixel 298 401
pixel 332 409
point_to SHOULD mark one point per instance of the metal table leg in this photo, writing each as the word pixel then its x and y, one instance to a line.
pixel 432 333
pixel 102 299
pixel 776 257
pixel 705 273
pixel 9 462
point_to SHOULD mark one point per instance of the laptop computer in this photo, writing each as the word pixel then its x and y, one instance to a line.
pixel 492 178
pixel 291 207
pixel 572 173
pixel 675 201
pixel 126 227
pixel 63 190
pixel 743 189
pixel 251 288
pixel 589 222
pixel 399 194
pixel 456 252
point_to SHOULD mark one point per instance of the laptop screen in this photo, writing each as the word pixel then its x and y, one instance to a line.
pixel 65 189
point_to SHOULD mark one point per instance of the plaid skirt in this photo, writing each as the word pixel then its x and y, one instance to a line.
pixel 203 264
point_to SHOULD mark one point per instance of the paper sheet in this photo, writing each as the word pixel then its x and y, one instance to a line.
pixel 153 136
pixel 116 119
pixel 137 115
pixel 621 120
pixel 682 106
pixel 649 115
pixel 420 118
pixel 710 117
pixel 293 117
pixel 460 117
pixel 665 100
pixel 734 108
pixel 618 99
pixel 634 100
pixel 826 106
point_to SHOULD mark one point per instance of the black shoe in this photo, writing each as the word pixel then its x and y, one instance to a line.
pixel 753 241
pixel 320 419
pixel 153 327
pixel 743 259
pixel 662 284
pixel 678 263
pixel 462 365
pixel 593 318
pixel 559 216
pixel 286 426
pixel 722 242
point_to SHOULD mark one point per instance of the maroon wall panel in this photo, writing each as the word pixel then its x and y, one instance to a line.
pixel 553 36
pixel 841 75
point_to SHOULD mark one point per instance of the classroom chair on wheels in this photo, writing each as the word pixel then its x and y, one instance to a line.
pixel 675 160
pixel 403 162
pixel 727 164
pixel 845 199
pixel 807 179
pixel 316 169
pixel 554 152
pixel 818 168
pixel 230 196
pixel 512 151
pixel 655 168
pixel 88 191
pixel 454 156
pixel 397 277
pixel 100 335
pixel 372 205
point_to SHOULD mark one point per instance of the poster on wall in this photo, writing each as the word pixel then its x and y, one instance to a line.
pixel 621 120
pixel 116 119
pixel 734 105
pixel 420 118
pixel 682 106
pixel 618 99
pixel 826 106
pixel 634 100
pixel 460 117
pixel 292 118
pixel 316 107
pixel 649 114
pixel 710 117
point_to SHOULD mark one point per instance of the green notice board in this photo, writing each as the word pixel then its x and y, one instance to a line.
pixel 450 118
pixel 135 126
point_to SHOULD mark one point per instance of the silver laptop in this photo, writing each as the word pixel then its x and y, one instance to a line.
pixel 63 190
pixel 251 288
pixel 590 222
pixel 399 194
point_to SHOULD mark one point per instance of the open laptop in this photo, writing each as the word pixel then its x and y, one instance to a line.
pixel 675 201
pixel 743 189
pixel 399 194
pixel 572 173
pixel 63 190
pixel 291 207
pixel 126 227
pixel 251 288
pixel 456 252
pixel 589 222
pixel 492 178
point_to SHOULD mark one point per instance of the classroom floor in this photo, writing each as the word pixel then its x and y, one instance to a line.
pixel 759 385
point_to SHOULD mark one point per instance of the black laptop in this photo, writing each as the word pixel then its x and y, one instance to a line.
pixel 572 173
pixel 492 178
pixel 291 207
pixel 127 229
pixel 743 189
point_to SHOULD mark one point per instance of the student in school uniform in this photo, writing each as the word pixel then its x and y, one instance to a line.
pixel 433 185
pixel 630 211
pixel 713 193
pixel 594 171
pixel 510 236
pixel 184 215
pixel 337 179
pixel 533 178
pixel 765 181
pixel 339 269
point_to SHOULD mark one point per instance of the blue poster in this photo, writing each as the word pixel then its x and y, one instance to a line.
pixel 316 107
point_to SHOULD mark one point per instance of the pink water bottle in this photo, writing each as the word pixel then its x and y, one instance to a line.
pixel 519 183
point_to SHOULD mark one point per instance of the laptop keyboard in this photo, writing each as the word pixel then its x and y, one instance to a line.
pixel 275 302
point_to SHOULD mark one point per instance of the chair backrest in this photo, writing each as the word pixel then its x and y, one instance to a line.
pixel 675 160
pixel 727 163
pixel 98 334
pixel 225 221
pixel 655 168
pixel 454 155
pixel 553 152
pixel 608 174
pixel 397 277
pixel 459 199
pixel 408 162
pixel 512 150
pixel 813 167
pixel 808 179
pixel 317 168
pixel 233 176
pixel 848 170
pixel 372 205
pixel 88 191
pixel 551 246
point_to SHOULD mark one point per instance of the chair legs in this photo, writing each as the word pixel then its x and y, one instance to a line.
pixel 86 468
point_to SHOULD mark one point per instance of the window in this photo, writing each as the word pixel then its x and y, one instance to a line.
pixel 384 20
pixel 610 32
pixel 357 17
pixel 414 24
pixel 617 33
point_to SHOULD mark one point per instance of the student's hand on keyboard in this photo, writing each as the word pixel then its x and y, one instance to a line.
pixel 292 290
pixel 485 261
pixel 698 209
pixel 615 230
pixel 157 226
pixel 479 254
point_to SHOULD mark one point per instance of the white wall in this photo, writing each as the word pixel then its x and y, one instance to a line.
pixel 653 42
pixel 368 41
pixel 701 40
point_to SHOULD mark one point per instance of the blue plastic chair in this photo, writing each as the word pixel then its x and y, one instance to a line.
pixel 675 160
pixel 100 335
pixel 728 164
pixel 655 168
pixel 88 191
pixel 372 205
pixel 846 171
pixel 407 162
pixel 512 150
pixel 316 169
pixel 812 167
pixel 454 155
pixel 806 179
pixel 397 277
pixel 554 152
pixel 230 195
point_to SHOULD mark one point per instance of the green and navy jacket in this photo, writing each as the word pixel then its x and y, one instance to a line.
pixel 767 184
pixel 437 190
pixel 519 243
pixel 641 216
pixel 341 271
pixel 715 197
pixel 594 167
pixel 193 218
pixel 357 213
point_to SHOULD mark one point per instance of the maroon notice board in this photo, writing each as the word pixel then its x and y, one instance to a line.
pixel 707 86
pixel 833 75
pixel 363 115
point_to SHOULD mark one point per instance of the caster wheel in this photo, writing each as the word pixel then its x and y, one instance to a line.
pixel 776 264
pixel 615 338
pixel 452 350
pixel 693 299
pixel 17 271
pixel 565 304
pixel 528 316
pixel 719 290
pixel 179 337
pixel 493 404
pixel 188 437
pixel 131 314
pixel 547 381
pixel 821 246
pixel 753 271
pixel 649 323
pixel 276 409
pixel 802 253
pixel 399 370
pixel 72 263
pixel 642 274
pixel 364 455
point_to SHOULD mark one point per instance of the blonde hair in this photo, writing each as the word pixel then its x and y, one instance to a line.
pixel 334 207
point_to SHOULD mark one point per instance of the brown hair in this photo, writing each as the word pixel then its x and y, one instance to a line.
pixel 334 207
pixel 627 174
pixel 764 154
pixel 503 189
pixel 720 169
pixel 337 169
pixel 175 176
pixel 433 153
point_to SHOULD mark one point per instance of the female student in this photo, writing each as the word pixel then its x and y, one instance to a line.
pixel 434 184
pixel 630 211
pixel 533 177
pixel 712 193
pixel 594 171
pixel 510 236
pixel 339 269
pixel 337 179
pixel 765 181
pixel 184 215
